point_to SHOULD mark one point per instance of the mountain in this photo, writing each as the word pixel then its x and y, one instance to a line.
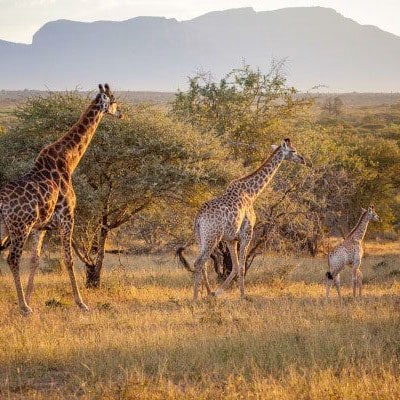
pixel 321 47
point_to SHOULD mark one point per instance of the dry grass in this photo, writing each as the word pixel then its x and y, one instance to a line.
pixel 144 339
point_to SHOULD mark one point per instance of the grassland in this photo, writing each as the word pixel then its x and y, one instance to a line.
pixel 144 339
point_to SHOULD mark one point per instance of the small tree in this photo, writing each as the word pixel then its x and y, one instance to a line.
pixel 333 106
pixel 246 109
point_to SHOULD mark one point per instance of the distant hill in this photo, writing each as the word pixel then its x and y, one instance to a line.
pixel 153 53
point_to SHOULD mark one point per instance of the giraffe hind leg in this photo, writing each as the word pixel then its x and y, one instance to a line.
pixel 336 281
pixel 199 266
pixel 13 259
pixel 37 237
pixel 205 278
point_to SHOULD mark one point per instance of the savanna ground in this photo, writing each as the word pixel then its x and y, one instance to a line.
pixel 143 337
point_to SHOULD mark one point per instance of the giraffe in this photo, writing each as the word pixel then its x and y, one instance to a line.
pixel 231 218
pixel 350 252
pixel 44 197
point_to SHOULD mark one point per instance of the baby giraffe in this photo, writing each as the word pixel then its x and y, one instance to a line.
pixel 231 218
pixel 350 252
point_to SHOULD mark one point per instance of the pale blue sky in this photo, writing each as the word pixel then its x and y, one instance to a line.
pixel 20 19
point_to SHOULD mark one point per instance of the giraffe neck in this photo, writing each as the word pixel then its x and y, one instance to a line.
pixel 358 232
pixel 75 142
pixel 253 184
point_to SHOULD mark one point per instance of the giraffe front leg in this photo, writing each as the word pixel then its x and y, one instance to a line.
pixel 244 245
pixel 232 246
pixel 13 259
pixel 354 274
pixel 37 237
pixel 359 282
pixel 66 228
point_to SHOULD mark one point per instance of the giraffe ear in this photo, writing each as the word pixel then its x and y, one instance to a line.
pixel 363 210
pixel 101 88
pixel 274 147
pixel 107 87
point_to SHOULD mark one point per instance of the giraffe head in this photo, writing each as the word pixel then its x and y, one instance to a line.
pixel 106 101
pixel 371 214
pixel 289 152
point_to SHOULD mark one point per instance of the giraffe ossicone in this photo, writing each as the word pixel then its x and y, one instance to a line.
pixel 44 197
pixel 231 218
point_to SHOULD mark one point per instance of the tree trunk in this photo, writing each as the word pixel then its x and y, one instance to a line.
pixel 92 276
pixel 93 271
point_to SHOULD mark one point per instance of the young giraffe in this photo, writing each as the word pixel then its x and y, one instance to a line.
pixel 44 198
pixel 350 252
pixel 231 218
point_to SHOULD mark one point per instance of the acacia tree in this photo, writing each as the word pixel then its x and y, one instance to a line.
pixel 245 109
pixel 333 106
pixel 131 165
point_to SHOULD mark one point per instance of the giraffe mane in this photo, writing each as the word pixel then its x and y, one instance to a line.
pixel 266 161
pixel 357 224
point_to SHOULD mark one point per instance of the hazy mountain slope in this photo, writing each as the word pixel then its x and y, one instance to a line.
pixel 152 53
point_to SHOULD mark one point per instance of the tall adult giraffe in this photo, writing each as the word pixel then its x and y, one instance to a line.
pixel 44 198
pixel 231 218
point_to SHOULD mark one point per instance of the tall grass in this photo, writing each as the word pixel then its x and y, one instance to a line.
pixel 143 337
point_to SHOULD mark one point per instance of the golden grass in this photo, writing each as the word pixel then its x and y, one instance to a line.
pixel 144 339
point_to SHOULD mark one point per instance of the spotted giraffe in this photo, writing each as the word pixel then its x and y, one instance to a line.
pixel 350 252
pixel 44 198
pixel 231 218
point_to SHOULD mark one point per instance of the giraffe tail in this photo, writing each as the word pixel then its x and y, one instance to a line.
pixel 182 259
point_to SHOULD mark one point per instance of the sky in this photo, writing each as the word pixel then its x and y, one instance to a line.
pixel 20 19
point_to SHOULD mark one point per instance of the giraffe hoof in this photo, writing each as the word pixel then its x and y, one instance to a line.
pixel 83 307
pixel 26 310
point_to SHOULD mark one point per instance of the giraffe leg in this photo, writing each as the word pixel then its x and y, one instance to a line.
pixel 205 278
pixel 13 259
pixel 232 246
pixel 328 285
pixel 199 265
pixel 359 282
pixel 336 281
pixel 66 228
pixel 355 270
pixel 244 245
pixel 37 237
pixel 354 281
